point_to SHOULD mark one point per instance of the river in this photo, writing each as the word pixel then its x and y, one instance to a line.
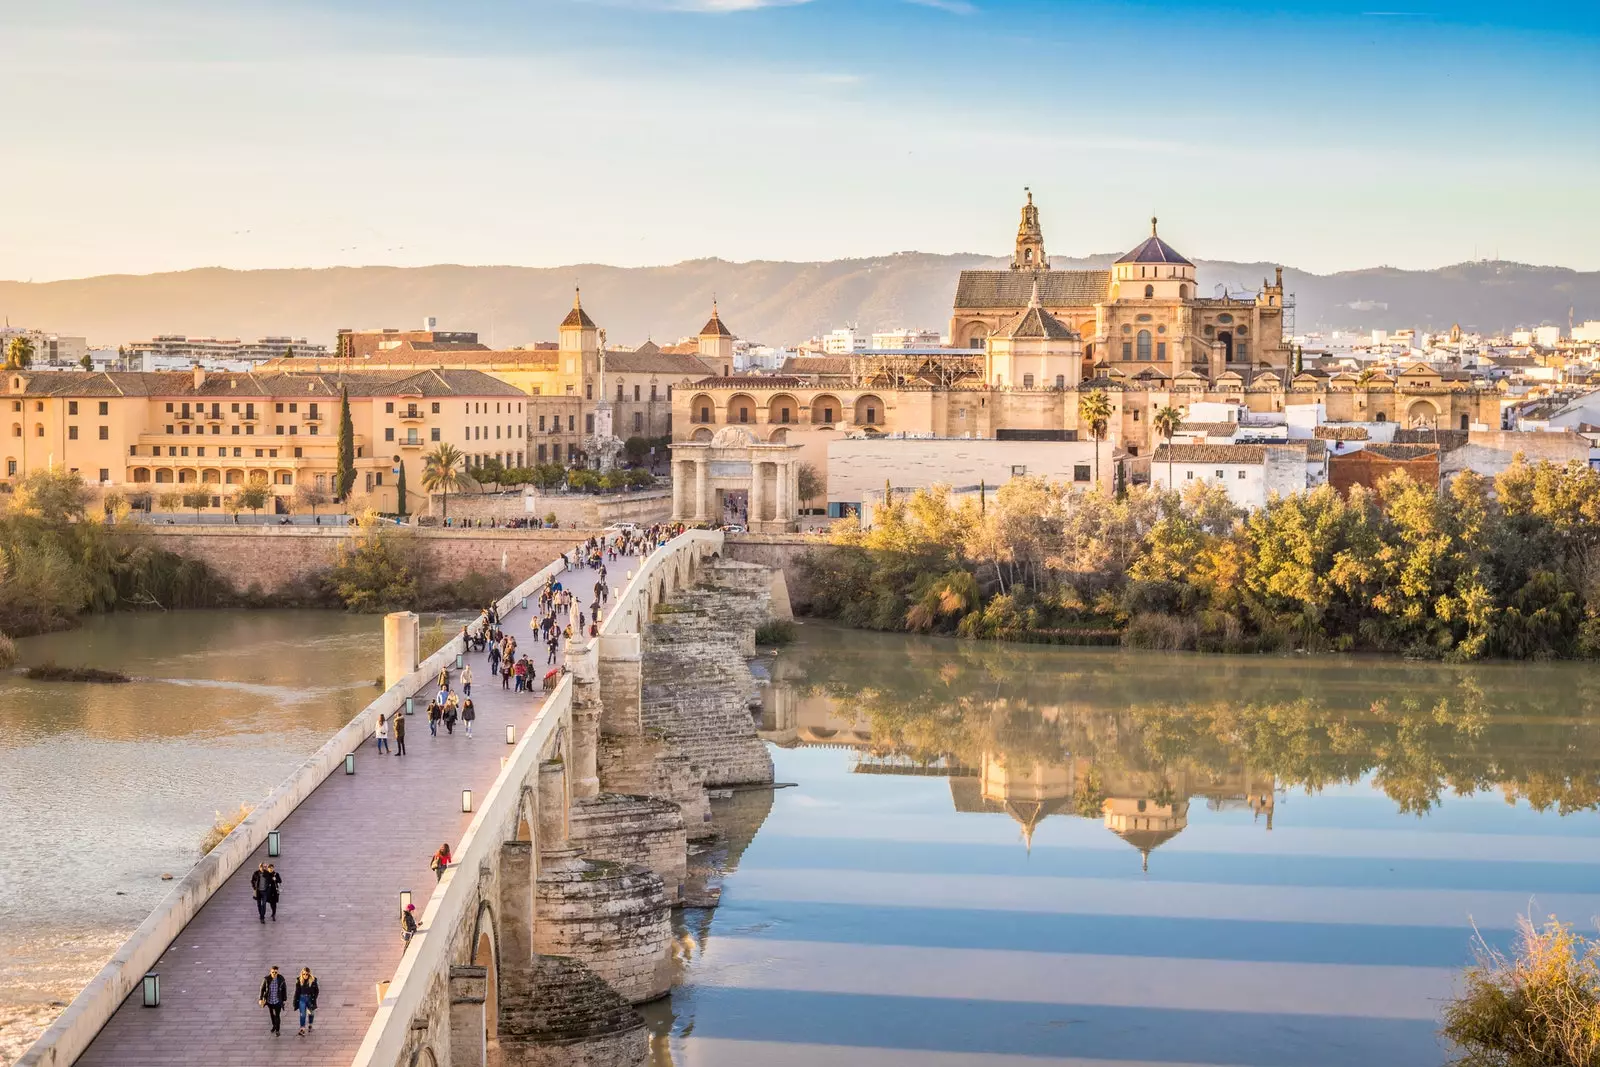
pixel 993 854
pixel 1043 856
pixel 105 788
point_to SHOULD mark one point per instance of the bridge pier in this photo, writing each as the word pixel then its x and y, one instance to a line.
pixel 469 1032
pixel 584 663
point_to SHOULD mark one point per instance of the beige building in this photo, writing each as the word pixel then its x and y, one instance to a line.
pixel 146 431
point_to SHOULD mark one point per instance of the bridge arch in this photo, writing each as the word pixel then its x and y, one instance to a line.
pixel 424 1057
pixel 486 954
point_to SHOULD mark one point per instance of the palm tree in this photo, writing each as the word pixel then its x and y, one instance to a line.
pixel 19 353
pixel 1166 421
pixel 444 469
pixel 1094 412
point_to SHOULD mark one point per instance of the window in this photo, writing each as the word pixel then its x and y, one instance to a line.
pixel 293 430
pixel 636 394
pixel 105 433
pixel 1061 381
pixel 433 434
pixel 249 411
pixel 572 427
pixel 388 433
pixel 619 392
pixel 1027 381
pixel 1219 474
pixel 436 407
pixel 1127 351
pixel 1224 317
pixel 294 409
pixel 1241 476
pixel 388 408
pixel 72 433
pixel 169 407
pixel 236 431
pixel 1135 414
pixel 280 409
pixel 297 454
pixel 1241 351
pixel 588 424
pixel 1189 475
pixel 783 416
pixel 235 409
pixel 200 452
pixel 133 450
pixel 11 468
pixel 705 413
pixel 638 421
pixel 1162 328
pixel 184 451
pixel 249 431
pixel 238 453
pixel 1161 350
pixel 1144 345
pixel 258 453
pixel 312 429
pixel 1080 472
pixel 744 414
pixel 72 407
pixel 541 426
pixel 272 453
pixel 105 474
pixel 541 453
pixel 1149 292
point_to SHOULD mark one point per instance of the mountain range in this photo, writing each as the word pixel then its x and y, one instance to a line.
pixel 768 301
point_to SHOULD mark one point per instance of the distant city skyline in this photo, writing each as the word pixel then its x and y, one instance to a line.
pixel 1325 134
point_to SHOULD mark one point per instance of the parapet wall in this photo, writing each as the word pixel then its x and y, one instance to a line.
pixel 778 552
pixel 274 558
pixel 592 511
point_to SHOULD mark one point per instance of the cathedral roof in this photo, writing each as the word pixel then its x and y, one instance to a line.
pixel 713 326
pixel 577 316
pixel 1036 322
pixel 1155 250
pixel 1003 289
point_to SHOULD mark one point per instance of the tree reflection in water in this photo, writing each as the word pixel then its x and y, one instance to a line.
pixel 1133 738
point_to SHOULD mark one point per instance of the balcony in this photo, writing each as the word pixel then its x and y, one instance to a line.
pixel 410 442
pixel 411 415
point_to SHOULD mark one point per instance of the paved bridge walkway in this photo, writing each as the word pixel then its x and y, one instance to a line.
pixel 347 852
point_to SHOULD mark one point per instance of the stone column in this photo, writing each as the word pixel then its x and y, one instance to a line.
pixel 678 488
pixel 758 493
pixel 621 685
pixel 516 904
pixel 785 512
pixel 583 662
pixel 400 629
pixel 552 832
pixel 702 483
pixel 469 1039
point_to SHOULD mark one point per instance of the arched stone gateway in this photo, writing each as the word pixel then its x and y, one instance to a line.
pixel 733 478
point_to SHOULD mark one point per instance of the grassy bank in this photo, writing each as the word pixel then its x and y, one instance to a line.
pixel 1508 568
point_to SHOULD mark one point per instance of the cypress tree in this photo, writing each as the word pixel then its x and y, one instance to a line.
pixel 400 491
pixel 345 478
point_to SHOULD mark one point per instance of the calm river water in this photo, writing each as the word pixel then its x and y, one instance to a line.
pixel 1036 856
pixel 993 855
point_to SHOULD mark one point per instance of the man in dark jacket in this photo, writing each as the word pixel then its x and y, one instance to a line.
pixel 274 994
pixel 398 721
pixel 265 882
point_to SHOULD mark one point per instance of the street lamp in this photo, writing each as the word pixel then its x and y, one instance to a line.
pixel 466 800
pixel 511 733
pixel 152 990
pixel 272 842
pixel 349 763
pixel 524 603
pixel 410 701
pixel 405 899
pixel 460 658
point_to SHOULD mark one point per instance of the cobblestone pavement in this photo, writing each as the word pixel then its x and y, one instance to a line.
pixel 347 852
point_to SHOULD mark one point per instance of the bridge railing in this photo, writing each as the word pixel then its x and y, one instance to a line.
pixel 73 1031
pixel 627 613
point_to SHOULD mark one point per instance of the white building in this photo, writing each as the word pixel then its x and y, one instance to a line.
pixel 1251 474
pixel 48 348
pixel 894 339
pixel 176 346
pixel 844 342
pixel 1587 333
pixel 1547 336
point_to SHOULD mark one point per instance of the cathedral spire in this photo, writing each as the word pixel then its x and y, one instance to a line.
pixel 1030 253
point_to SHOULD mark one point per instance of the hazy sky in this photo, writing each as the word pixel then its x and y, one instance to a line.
pixel 1327 134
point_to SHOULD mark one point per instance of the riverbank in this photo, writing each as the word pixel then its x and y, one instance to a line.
pixel 1504 569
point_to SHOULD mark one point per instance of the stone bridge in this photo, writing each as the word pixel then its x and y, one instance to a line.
pixel 553 922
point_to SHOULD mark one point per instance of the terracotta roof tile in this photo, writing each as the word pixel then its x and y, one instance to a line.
pixel 981 290
pixel 1253 454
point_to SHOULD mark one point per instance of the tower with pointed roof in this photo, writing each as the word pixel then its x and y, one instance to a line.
pixel 578 331
pixel 716 344
pixel 1030 253
pixel 1034 350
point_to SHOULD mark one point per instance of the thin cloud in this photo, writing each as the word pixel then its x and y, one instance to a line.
pixel 955 7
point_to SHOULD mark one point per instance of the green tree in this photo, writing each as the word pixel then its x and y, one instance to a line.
pixel 254 495
pixel 444 469
pixel 19 353
pixel 547 476
pixel 810 483
pixel 1167 421
pixel 490 472
pixel 636 449
pixel 402 498
pixel 85 362
pixel 171 500
pixel 54 495
pixel 377 570
pixel 1094 414
pixel 345 474
pixel 197 499
pixel 307 494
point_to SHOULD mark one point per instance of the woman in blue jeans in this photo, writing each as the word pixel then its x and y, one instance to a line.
pixel 305 1000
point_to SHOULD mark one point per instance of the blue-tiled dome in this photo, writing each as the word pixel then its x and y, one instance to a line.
pixel 1155 250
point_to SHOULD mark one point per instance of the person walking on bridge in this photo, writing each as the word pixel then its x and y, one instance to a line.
pixel 440 862
pixel 408 923
pixel 264 881
pixel 274 994
pixel 305 1000
pixel 466 680
pixel 399 724
pixel 468 714
pixel 382 734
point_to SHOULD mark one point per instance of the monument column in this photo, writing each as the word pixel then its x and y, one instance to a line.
pixel 785 512
pixel 758 492
pixel 678 487
pixel 702 479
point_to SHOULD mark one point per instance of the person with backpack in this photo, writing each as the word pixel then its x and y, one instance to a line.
pixel 440 862
pixel 408 923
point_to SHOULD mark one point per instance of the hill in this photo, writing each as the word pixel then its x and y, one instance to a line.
pixel 774 302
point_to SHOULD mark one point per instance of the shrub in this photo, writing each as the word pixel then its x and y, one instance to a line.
pixel 1539 1008
pixel 222 827
pixel 8 653
pixel 775 632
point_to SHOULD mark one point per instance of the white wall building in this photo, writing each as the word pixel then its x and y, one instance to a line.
pixel 844 342
pixel 1251 474
pixel 48 348
pixel 1547 336
pixel 1587 333
pixel 907 339
pixel 177 346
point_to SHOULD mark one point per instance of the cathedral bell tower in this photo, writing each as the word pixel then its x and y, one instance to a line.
pixel 1030 240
